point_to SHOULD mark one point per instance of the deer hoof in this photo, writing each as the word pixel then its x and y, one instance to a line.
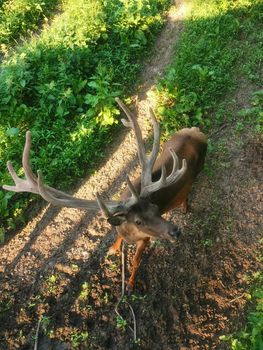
pixel 129 288
pixel 184 207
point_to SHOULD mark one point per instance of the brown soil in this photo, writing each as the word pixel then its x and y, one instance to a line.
pixel 186 295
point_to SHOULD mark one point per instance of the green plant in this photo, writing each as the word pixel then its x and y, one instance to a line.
pixel 207 61
pixel 21 17
pixel 251 338
pixel 207 242
pixel 102 100
pixel 85 291
pixel 254 114
pixel 138 297
pixel 45 323
pixel 52 283
pixel 121 322
pixel 78 337
pixel 61 85
pixel 6 304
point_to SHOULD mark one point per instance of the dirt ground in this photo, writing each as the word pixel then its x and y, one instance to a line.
pixel 186 295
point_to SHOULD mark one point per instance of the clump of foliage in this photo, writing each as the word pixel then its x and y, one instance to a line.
pixel 21 17
pixel 251 338
pixel 221 40
pixel 253 115
pixel 61 85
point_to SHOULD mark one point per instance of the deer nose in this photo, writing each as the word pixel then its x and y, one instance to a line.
pixel 175 232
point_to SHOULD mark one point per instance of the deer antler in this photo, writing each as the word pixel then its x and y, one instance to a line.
pixel 34 184
pixel 147 163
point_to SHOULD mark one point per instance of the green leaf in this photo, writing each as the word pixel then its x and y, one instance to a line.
pixel 12 131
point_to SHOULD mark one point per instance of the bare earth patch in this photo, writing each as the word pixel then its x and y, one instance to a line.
pixel 186 296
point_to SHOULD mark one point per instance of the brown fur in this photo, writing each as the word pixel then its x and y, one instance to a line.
pixel 189 144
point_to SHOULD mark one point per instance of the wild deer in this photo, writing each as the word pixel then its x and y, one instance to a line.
pixel 164 184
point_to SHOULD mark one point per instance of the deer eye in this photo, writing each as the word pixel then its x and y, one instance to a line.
pixel 138 222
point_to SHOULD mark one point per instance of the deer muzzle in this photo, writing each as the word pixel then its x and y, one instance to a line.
pixel 174 233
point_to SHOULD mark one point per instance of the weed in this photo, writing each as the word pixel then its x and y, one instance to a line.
pixel 207 242
pixel 251 338
pixel 85 291
pixel 106 298
pixel 253 115
pixel 6 304
pixel 45 323
pixel 121 322
pixel 135 297
pixel 74 268
pixel 52 284
pixel 78 338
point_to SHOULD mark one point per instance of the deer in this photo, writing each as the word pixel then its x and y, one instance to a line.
pixel 164 184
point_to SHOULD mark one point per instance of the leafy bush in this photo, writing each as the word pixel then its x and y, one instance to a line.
pixel 61 85
pixel 21 17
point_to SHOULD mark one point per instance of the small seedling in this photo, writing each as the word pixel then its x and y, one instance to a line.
pixel 121 322
pixel 77 337
pixel 207 242
pixel 85 291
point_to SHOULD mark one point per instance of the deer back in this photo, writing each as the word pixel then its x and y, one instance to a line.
pixel 189 144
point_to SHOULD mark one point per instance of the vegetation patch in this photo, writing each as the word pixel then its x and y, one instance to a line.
pixel 21 17
pixel 62 84
pixel 222 40
pixel 251 337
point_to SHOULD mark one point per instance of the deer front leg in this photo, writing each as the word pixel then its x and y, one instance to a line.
pixel 184 198
pixel 184 206
pixel 116 247
pixel 141 245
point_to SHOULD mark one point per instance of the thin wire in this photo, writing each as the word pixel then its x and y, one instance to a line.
pixel 37 332
pixel 134 329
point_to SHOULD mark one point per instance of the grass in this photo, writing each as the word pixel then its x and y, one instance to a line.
pixel 251 337
pixel 61 85
pixel 22 17
pixel 222 40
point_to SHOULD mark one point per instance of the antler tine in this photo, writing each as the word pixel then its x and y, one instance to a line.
pixel 35 184
pixel 110 207
pixel 132 123
pixel 175 161
pixel 20 184
pixel 147 163
pixel 135 196
pixel 176 173
pixel 147 173
pixel 26 159
pixel 165 181
pixel 156 142
pixel 29 184
pixel 155 186
pixel 62 199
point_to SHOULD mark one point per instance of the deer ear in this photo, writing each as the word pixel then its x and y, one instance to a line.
pixel 117 220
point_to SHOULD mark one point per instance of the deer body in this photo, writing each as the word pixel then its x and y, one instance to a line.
pixel 189 144
pixel 163 185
